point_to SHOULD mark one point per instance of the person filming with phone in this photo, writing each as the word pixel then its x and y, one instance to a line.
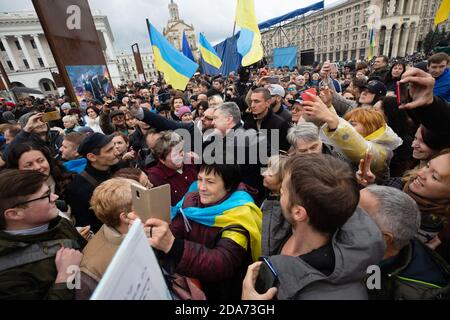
pixel 326 252
pixel 35 128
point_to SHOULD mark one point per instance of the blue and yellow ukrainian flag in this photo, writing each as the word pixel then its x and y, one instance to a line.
pixel 238 209
pixel 177 68
pixel 249 42
pixel 209 54
pixel 371 44
pixel 442 13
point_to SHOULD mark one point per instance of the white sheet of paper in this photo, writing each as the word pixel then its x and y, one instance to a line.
pixel 134 272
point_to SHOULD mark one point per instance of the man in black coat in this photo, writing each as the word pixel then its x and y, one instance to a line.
pixel 98 149
pixel 263 118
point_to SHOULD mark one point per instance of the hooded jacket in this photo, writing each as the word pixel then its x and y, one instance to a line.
pixel 356 246
pixel 415 273
pixel 32 276
pixel 352 145
pixel 442 86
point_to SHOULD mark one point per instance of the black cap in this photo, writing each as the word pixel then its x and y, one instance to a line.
pixel 376 87
pixel 92 142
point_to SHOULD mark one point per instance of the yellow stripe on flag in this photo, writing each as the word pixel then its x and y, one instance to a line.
pixel 210 58
pixel 442 13
pixel 177 80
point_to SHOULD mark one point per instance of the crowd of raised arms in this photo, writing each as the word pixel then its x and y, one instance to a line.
pixel 313 175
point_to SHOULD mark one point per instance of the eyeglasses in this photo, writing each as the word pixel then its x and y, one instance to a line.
pixel 48 195
pixel 291 89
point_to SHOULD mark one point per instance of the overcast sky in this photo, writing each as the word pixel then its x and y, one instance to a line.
pixel 215 18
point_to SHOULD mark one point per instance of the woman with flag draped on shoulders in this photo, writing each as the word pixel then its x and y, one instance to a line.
pixel 215 232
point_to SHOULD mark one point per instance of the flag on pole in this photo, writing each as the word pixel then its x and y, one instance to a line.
pixel 249 42
pixel 209 54
pixel 371 44
pixel 177 68
pixel 442 13
pixel 186 48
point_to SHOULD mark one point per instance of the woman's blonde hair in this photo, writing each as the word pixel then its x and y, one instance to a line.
pixel 110 199
pixel 275 165
pixel 70 118
pixel 216 100
pixel 370 119
pixel 408 175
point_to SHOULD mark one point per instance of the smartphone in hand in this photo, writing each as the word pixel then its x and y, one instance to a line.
pixel 151 203
pixel 267 276
pixel 51 116
pixel 273 80
pixel 402 92
pixel 306 97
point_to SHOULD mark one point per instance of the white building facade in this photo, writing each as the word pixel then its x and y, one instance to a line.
pixel 128 70
pixel 340 32
pixel 26 55
pixel 175 28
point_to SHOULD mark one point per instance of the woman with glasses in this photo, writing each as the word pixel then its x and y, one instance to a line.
pixel 30 227
pixel 33 155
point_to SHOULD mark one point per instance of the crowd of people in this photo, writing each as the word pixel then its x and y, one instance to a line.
pixel 317 173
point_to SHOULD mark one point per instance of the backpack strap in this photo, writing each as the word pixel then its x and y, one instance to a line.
pixel 90 179
pixel 36 252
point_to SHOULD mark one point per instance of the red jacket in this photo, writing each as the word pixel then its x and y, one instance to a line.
pixel 179 183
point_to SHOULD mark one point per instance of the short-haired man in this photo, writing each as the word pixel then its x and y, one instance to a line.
pixel 37 247
pixel 72 160
pixel 326 252
pixel 380 68
pixel 409 270
pixel 112 121
pixel 263 118
pixel 98 149
pixel 238 143
pixel 111 203
pixel 300 81
pixel 34 128
pixel 438 68
pixel 277 106
pixel 218 88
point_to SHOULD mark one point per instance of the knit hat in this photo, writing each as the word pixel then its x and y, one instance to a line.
pixel 66 106
pixel 183 110
pixel 9 117
pixel 23 120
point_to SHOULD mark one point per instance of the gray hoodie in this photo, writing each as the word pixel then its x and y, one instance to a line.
pixel 357 245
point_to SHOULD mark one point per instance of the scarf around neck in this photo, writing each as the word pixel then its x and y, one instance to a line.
pixel 237 209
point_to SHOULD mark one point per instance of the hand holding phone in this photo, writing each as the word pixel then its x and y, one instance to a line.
pixel 267 276
pixel 333 68
pixel 402 92
pixel 306 97
pixel 274 80
pixel 51 116
pixel 151 203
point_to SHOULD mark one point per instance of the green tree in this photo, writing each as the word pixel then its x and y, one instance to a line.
pixel 433 39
